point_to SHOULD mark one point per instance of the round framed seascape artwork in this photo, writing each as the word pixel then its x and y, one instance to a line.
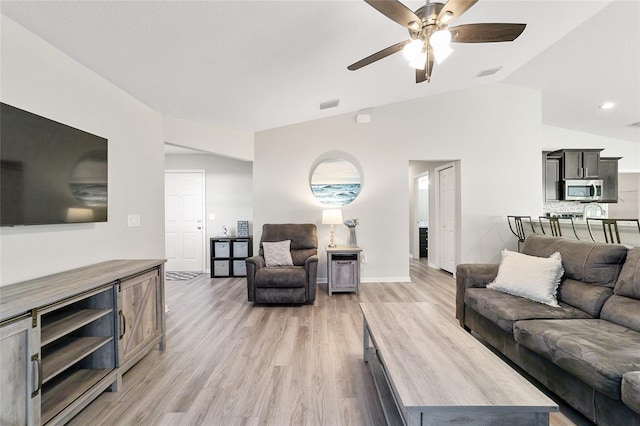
pixel 335 182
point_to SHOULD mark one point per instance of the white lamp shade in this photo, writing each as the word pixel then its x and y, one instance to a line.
pixel 442 53
pixel 419 62
pixel 332 217
pixel 412 49
pixel 440 39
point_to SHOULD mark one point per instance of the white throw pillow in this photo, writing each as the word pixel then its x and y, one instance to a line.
pixel 278 253
pixel 536 278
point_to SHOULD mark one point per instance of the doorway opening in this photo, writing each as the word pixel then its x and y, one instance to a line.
pixel 434 223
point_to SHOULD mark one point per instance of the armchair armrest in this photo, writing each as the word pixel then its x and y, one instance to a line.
pixel 311 266
pixel 472 275
pixel 253 264
pixel 257 261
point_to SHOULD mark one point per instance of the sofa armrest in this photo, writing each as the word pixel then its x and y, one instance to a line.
pixel 253 264
pixel 631 390
pixel 311 266
pixel 472 275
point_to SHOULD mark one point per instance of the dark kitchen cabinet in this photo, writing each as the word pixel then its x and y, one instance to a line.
pixel 609 176
pixel 551 178
pixel 579 163
pixel 424 241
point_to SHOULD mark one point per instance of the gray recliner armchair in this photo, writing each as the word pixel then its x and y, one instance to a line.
pixel 294 284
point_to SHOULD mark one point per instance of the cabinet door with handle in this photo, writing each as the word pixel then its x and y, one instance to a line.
pixel 21 372
pixel 139 305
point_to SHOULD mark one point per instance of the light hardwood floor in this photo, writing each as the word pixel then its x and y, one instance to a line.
pixel 228 362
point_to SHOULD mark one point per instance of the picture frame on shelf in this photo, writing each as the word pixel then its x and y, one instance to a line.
pixel 243 228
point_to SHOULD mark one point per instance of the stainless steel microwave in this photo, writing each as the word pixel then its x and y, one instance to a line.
pixel 583 189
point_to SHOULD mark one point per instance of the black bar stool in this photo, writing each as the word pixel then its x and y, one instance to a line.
pixel 554 224
pixel 519 222
pixel 610 228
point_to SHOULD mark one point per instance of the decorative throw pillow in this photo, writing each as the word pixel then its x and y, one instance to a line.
pixel 536 278
pixel 278 253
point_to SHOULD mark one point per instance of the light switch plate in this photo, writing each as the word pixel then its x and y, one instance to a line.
pixel 133 220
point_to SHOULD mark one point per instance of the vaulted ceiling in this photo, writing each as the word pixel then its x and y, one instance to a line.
pixel 256 65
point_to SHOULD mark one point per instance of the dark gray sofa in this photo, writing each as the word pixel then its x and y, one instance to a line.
pixel 587 351
pixel 294 284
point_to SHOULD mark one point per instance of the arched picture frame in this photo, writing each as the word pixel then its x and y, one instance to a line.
pixel 335 182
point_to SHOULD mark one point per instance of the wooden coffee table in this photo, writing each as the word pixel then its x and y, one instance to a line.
pixel 429 371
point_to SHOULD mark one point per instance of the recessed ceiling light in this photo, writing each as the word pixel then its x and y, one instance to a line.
pixel 607 105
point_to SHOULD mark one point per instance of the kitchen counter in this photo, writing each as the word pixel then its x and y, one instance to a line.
pixel 629 233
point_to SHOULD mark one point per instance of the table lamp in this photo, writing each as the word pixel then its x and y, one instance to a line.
pixel 332 217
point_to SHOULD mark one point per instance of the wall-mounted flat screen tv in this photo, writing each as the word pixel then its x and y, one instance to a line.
pixel 50 172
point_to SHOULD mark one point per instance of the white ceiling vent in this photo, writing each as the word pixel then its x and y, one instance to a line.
pixel 330 104
pixel 488 71
pixel 636 124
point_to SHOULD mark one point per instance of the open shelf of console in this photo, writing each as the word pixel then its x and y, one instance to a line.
pixel 67 337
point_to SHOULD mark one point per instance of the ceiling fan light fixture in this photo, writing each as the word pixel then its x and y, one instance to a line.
pixel 442 53
pixel 440 39
pixel 419 62
pixel 448 15
pixel 411 50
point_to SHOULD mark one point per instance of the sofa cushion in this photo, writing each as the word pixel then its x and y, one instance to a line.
pixel 628 283
pixel 585 261
pixel 596 351
pixel 533 277
pixel 623 311
pixel 281 277
pixel 586 297
pixel 504 309
pixel 631 390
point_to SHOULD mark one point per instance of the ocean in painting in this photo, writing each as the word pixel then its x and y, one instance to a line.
pixel 90 194
pixel 336 194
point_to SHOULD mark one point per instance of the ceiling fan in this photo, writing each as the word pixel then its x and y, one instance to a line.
pixel 430 33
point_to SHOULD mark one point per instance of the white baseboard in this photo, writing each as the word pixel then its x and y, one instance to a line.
pixel 375 280
pixel 386 280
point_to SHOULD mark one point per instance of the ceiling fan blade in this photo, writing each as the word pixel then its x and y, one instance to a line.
pixel 486 33
pixel 425 74
pixel 378 55
pixel 398 12
pixel 456 8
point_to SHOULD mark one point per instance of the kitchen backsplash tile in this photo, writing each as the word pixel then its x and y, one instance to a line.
pixel 570 207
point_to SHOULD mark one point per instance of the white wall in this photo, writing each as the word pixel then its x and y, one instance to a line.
pixel 493 130
pixel 223 141
pixel 41 79
pixel 228 189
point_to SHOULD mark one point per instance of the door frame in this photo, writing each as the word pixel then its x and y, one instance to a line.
pixel 415 228
pixel 438 220
pixel 202 172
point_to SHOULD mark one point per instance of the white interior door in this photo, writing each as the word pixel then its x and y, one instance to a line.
pixel 184 214
pixel 447 217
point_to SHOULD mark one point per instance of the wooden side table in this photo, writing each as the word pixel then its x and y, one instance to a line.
pixel 343 269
